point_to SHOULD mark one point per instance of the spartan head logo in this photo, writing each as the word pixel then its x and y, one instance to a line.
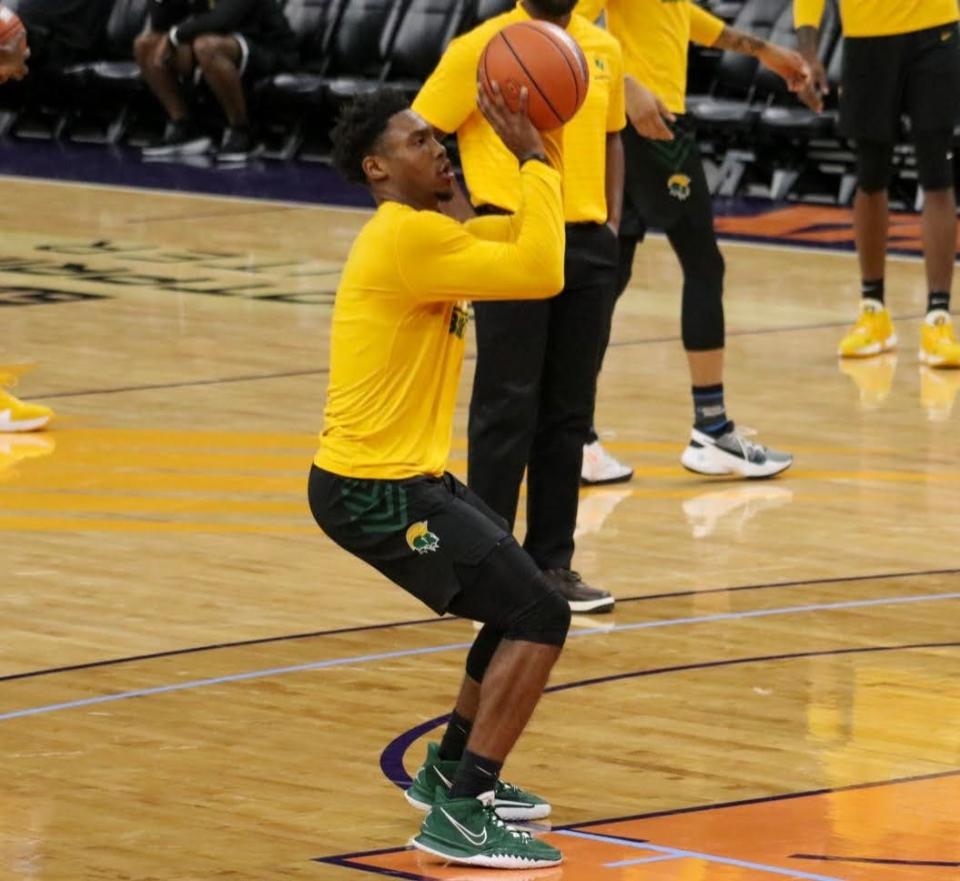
pixel 679 186
pixel 421 539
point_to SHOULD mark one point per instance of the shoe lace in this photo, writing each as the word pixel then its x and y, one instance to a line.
pixel 494 820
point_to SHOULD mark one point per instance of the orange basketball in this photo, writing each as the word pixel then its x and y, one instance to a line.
pixel 10 26
pixel 545 59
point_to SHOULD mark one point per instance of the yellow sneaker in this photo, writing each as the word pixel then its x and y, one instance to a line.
pixel 17 415
pixel 873 333
pixel 873 378
pixel 938 342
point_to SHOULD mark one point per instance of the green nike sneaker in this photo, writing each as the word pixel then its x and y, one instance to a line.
pixel 510 802
pixel 468 831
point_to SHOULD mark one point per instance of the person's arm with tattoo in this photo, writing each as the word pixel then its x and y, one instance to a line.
pixel 786 63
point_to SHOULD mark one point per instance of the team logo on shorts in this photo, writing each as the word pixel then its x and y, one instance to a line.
pixel 679 187
pixel 421 539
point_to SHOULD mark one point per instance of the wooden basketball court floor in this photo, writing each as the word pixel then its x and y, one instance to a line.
pixel 195 684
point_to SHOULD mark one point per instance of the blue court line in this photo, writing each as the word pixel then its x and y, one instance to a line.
pixel 641 861
pixel 406 653
pixel 680 853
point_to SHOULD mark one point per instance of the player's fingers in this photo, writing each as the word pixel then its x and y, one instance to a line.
pixel 524 100
pixel 664 112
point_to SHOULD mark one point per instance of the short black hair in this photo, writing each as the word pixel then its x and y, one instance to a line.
pixel 359 126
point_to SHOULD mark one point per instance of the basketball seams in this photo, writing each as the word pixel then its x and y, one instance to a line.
pixel 574 47
pixel 530 77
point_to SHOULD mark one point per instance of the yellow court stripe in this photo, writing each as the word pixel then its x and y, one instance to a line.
pixel 76 503
pixel 64 524
pixel 172 482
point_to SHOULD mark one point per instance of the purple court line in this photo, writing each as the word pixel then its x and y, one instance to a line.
pixel 680 853
pixel 391 759
pixel 411 622
pixel 402 653
pixel 348 860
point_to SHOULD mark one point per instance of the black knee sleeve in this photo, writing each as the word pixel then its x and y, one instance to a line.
pixel 874 165
pixel 546 620
pixel 702 323
pixel 934 159
pixel 509 594
pixel 481 652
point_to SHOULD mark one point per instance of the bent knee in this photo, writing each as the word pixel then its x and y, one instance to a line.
pixel 546 620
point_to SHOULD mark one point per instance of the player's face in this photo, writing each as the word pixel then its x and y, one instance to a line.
pixel 415 161
pixel 554 8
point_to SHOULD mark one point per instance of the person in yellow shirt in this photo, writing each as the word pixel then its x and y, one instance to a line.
pixel 666 182
pixel 378 486
pixel 899 57
pixel 536 375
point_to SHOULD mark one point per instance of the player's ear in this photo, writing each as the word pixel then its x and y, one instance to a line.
pixel 374 169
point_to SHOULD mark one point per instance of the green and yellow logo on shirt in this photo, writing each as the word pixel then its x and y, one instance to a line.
pixel 421 539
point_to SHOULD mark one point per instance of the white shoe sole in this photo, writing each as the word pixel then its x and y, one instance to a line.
pixel 936 360
pixel 714 462
pixel 607 481
pixel 603 604
pixel 8 425
pixel 538 812
pixel 489 862
pixel 887 345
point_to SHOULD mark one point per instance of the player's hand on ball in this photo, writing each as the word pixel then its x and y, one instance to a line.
pixel 513 128
pixel 646 112
pixel 788 64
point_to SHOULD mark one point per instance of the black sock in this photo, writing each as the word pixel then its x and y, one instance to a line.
pixel 475 776
pixel 709 413
pixel 938 300
pixel 872 290
pixel 455 738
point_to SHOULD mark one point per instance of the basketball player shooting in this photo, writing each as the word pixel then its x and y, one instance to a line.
pixel 378 486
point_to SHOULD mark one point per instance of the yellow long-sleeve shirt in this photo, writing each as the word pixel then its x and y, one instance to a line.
pixel 400 318
pixel 654 35
pixel 879 18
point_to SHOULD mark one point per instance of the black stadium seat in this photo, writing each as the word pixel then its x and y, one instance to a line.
pixel 427 26
pixel 126 21
pixel 312 22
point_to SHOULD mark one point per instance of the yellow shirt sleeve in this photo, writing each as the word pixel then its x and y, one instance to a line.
pixel 449 95
pixel 442 260
pixel 808 13
pixel 591 9
pixel 705 28
pixel 617 108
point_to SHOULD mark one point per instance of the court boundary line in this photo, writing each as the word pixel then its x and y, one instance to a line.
pixel 346 860
pixel 416 622
pixel 267 673
pixel 393 754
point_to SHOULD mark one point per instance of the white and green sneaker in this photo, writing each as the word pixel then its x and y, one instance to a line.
pixel 510 802
pixel 468 831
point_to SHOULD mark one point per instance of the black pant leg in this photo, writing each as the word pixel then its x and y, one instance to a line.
pixel 511 341
pixel 577 319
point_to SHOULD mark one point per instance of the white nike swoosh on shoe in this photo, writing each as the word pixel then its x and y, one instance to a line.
pixel 443 779
pixel 475 838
